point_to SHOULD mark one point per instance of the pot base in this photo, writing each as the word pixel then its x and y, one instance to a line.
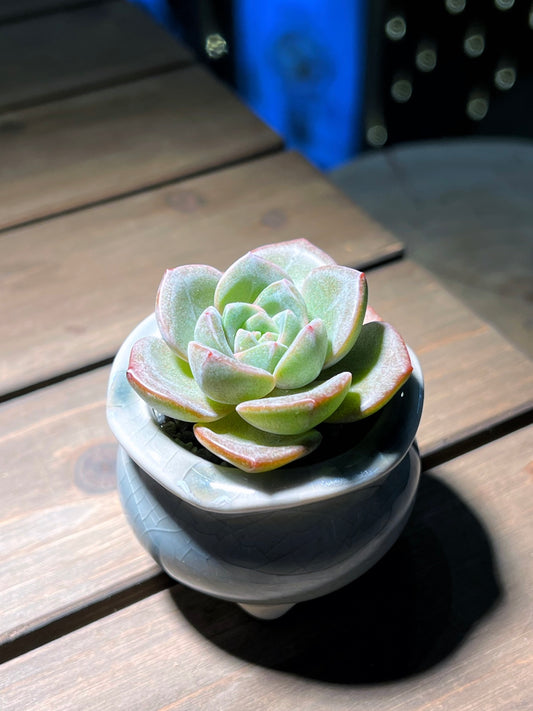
pixel 266 561
pixel 266 612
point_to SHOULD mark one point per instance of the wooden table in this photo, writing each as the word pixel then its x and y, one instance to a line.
pixel 115 165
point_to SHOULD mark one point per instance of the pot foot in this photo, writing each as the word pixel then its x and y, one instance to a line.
pixel 266 612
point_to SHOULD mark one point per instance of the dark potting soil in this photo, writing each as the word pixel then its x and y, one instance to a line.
pixel 336 439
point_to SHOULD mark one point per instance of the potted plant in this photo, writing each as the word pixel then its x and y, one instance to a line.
pixel 266 419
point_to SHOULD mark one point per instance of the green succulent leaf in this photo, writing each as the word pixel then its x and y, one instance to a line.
pixel 268 336
pixel 279 343
pixel 261 322
pixel 245 280
pixel 297 412
pixel 210 331
pixel 166 383
pixel 224 378
pixel 282 295
pixel 371 315
pixel 288 326
pixel 265 355
pixel 245 339
pixel 304 358
pixel 235 316
pixel 184 292
pixel 297 257
pixel 380 365
pixel 252 450
pixel 337 295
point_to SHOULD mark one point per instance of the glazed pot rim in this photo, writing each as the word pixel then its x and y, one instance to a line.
pixel 225 489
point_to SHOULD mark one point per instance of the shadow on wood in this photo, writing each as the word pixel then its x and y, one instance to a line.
pixel 407 614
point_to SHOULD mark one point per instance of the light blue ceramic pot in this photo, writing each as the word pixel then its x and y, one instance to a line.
pixel 271 540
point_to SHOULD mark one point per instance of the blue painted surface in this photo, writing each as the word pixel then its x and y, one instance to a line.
pixel 300 67
pixel 160 11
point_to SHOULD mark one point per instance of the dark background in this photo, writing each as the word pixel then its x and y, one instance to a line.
pixel 339 77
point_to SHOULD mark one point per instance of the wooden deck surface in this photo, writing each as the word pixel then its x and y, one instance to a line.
pixel 120 165
pixel 85 47
pixel 463 209
pixel 20 9
pixel 103 144
pixel 66 422
pixel 91 273
pixel 441 622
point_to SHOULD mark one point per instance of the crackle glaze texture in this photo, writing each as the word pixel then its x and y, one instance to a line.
pixel 271 540
pixel 269 558
pixel 225 489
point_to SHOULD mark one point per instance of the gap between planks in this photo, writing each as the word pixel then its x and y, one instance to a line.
pixel 19 13
pixel 23 640
pixel 87 23
pixel 221 214
pixel 489 432
pixel 37 636
pixel 89 367
pixel 152 187
pixel 98 85
pixel 114 602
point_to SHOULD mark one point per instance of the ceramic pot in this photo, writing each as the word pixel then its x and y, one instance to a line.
pixel 265 541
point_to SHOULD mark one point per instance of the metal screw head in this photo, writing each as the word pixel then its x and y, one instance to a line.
pixel 474 44
pixel 396 28
pixel 505 78
pixel 477 106
pixel 504 4
pixel 401 90
pixel 215 46
pixel 454 7
pixel 376 135
pixel 426 59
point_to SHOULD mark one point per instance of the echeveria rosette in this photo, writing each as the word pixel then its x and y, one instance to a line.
pixel 261 354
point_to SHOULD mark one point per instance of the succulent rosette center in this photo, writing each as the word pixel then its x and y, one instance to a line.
pixel 261 354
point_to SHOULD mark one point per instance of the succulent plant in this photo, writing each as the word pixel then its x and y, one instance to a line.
pixel 261 354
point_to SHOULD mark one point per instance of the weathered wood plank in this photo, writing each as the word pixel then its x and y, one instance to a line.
pixel 463 208
pixel 94 274
pixel 16 9
pixel 63 537
pixel 473 375
pixel 88 148
pixel 452 635
pixel 50 56
pixel 55 449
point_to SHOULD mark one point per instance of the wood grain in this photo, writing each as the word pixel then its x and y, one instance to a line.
pixel 94 274
pixel 16 9
pixel 61 520
pixel 88 148
pixel 474 377
pixel 453 635
pixel 50 56
pixel 463 208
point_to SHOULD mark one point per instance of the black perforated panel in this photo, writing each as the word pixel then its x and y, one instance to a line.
pixel 449 68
